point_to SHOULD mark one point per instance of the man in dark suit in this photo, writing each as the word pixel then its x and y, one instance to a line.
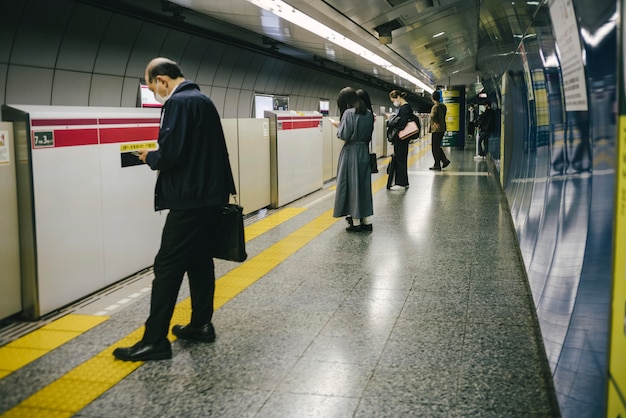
pixel 195 179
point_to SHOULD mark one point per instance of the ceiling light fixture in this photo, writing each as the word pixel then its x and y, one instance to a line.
pixel 438 34
pixel 285 11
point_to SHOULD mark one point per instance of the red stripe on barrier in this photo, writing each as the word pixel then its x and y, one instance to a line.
pixel 299 124
pixel 63 122
pixel 113 135
pixel 75 137
pixel 128 121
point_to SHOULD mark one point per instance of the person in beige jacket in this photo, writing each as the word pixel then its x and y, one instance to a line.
pixel 438 128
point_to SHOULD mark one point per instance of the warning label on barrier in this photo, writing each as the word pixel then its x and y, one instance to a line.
pixel 129 153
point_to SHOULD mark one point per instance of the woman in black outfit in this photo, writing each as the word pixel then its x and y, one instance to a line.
pixel 400 147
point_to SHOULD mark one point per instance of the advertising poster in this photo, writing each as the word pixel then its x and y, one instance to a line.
pixel 570 54
pixel 454 99
pixel 616 403
pixel 5 156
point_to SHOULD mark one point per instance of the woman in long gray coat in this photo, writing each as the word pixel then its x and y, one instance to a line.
pixel 353 196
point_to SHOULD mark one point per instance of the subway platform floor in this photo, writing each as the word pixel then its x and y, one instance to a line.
pixel 428 315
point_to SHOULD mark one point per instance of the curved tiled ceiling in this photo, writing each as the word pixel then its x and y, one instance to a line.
pixel 479 35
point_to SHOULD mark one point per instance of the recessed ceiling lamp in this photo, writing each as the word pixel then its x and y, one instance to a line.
pixel 285 11
pixel 438 34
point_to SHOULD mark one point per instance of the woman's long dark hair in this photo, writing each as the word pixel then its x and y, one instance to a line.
pixel 366 99
pixel 348 98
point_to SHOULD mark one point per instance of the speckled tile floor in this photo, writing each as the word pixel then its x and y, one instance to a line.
pixel 427 316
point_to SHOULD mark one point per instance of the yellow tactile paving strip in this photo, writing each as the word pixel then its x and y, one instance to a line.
pixel 30 347
pixel 72 392
pixel 79 387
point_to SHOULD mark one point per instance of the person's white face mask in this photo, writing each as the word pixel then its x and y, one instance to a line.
pixel 159 98
pixel 396 103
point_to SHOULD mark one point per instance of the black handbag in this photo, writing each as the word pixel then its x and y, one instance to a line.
pixel 230 243
pixel 373 162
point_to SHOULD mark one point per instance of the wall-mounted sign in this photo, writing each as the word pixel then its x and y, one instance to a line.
pixel 129 153
pixel 5 156
pixel 43 139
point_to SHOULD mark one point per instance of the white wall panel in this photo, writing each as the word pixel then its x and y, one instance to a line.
pixel 246 98
pixel 115 48
pixel 193 54
pixel 252 73
pixel 70 88
pixel 145 47
pixel 174 46
pixel 130 92
pixel 106 90
pixel 275 77
pixel 264 75
pixel 239 69
pixel 278 82
pixel 210 64
pixel 226 67
pixel 3 76
pixel 29 85
pixel 9 27
pixel 81 40
pixel 231 101
pixel 218 95
pixel 50 19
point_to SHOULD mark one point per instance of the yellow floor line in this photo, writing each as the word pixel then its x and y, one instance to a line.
pixel 78 388
pixel 30 347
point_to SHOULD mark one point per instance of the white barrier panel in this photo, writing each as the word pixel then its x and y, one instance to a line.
pixel 296 150
pixel 89 219
pixel 10 287
pixel 253 163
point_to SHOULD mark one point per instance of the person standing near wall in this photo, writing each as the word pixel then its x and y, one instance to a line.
pixel 471 124
pixel 353 197
pixel 438 128
pixel 195 180
pixel 486 124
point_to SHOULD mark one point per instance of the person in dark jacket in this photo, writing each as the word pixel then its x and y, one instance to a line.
pixel 486 125
pixel 194 181
pixel 400 146
pixel 438 129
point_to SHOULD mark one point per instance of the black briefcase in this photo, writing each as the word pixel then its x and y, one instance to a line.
pixel 391 171
pixel 373 162
pixel 230 242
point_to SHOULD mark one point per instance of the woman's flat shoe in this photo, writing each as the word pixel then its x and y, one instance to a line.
pixel 359 228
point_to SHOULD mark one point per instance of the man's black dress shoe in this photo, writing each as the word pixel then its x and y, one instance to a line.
pixel 204 333
pixel 445 163
pixel 143 352
pixel 435 168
